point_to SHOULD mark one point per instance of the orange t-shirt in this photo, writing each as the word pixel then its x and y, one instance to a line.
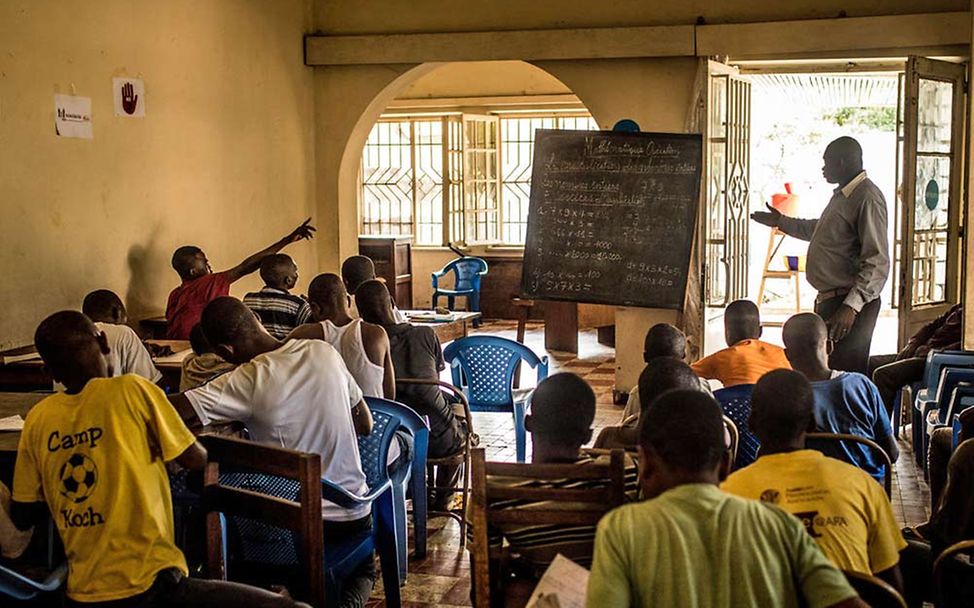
pixel 743 363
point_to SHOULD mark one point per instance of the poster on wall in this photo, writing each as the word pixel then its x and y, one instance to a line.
pixel 72 116
pixel 129 95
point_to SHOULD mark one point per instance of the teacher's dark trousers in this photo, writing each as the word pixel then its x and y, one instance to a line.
pixel 851 354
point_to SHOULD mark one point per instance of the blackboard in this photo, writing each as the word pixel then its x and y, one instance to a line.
pixel 611 218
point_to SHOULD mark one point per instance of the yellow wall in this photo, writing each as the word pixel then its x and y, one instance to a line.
pixel 482 79
pixel 222 159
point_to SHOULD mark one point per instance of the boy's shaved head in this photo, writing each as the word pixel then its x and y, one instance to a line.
pixel 742 321
pixel 374 303
pixel 803 334
pixel 685 428
pixel 278 270
pixel 104 305
pixel 782 406
pixel 562 410
pixel 664 340
pixel 227 321
pixel 357 270
pixel 327 290
pixel 69 339
pixel 189 262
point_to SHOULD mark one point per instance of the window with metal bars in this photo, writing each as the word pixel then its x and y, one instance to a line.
pixel 473 170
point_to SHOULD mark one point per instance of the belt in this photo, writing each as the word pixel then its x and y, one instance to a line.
pixel 832 293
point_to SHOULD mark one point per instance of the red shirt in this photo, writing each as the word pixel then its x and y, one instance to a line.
pixel 186 302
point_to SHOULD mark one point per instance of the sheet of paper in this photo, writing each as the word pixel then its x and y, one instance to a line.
pixel 562 586
pixel 18 358
pixel 12 423
pixel 72 116
pixel 129 96
pixel 174 358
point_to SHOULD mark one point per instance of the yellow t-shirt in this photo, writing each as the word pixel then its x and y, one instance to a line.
pixel 98 459
pixel 742 363
pixel 842 507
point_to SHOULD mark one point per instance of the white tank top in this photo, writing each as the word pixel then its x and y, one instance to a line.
pixel 347 340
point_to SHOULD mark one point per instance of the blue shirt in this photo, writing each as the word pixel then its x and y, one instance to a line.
pixel 850 403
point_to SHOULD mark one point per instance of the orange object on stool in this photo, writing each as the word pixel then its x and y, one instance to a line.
pixel 786 203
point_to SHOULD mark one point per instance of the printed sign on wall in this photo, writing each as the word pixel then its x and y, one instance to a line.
pixel 72 116
pixel 129 95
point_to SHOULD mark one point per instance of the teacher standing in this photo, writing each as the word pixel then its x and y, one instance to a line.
pixel 848 254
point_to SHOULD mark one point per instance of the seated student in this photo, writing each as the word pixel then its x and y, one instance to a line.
pixel 95 457
pixel 363 346
pixel 941 449
pixel 278 309
pixel 660 375
pixel 845 402
pixel 13 542
pixel 893 372
pixel 200 284
pixel 357 270
pixel 662 340
pixel 202 364
pixel 416 353
pixel 746 358
pixel 689 544
pixel 560 423
pixel 842 507
pixel 951 522
pixel 297 395
pixel 128 354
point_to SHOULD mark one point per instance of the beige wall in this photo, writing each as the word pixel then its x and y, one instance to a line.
pixel 483 79
pixel 391 16
pixel 222 159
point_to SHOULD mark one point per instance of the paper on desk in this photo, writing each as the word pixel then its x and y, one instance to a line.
pixel 562 586
pixel 6 359
pixel 12 423
pixel 429 316
pixel 175 357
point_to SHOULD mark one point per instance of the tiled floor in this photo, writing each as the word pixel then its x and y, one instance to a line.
pixel 443 578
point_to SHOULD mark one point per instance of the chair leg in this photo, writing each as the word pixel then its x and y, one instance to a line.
pixel 418 482
pixel 897 406
pixel 473 303
pixel 385 541
pixel 520 435
pixel 450 302
pixel 399 510
pixel 464 496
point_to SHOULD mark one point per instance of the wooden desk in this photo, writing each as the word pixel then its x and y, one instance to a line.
pixel 12 404
pixel 446 331
pixel 31 375
pixel 154 327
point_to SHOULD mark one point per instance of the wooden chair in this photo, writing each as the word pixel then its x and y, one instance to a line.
pixel 964 571
pixel 735 437
pixel 873 447
pixel 588 505
pixel 271 468
pixel 874 591
pixel 461 457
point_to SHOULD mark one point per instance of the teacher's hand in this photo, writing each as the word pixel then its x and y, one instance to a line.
pixel 841 322
pixel 771 217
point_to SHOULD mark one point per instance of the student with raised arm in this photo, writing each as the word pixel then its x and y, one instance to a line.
pixel 843 508
pixel 364 346
pixel 200 285
pixel 94 457
pixel 689 544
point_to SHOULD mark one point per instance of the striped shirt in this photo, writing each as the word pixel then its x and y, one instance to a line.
pixel 279 311
pixel 537 545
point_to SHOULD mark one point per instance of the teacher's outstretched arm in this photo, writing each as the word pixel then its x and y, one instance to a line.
pixel 792 226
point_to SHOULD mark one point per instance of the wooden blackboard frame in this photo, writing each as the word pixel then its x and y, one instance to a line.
pixel 671 296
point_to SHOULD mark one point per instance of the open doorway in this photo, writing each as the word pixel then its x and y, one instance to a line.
pixel 794 116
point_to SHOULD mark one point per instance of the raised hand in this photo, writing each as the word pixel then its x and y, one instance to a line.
pixel 771 217
pixel 129 99
pixel 302 232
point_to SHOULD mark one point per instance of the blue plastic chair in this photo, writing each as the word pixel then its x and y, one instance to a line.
pixel 260 545
pixel 17 586
pixel 950 377
pixel 414 476
pixel 736 403
pixel 926 396
pixel 466 272
pixel 484 367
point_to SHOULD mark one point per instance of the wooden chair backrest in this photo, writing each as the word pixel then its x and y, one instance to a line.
pixel 949 554
pixel 597 502
pixel 304 516
pixel 874 448
pixel 875 591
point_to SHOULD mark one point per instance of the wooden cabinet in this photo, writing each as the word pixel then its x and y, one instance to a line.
pixel 392 256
